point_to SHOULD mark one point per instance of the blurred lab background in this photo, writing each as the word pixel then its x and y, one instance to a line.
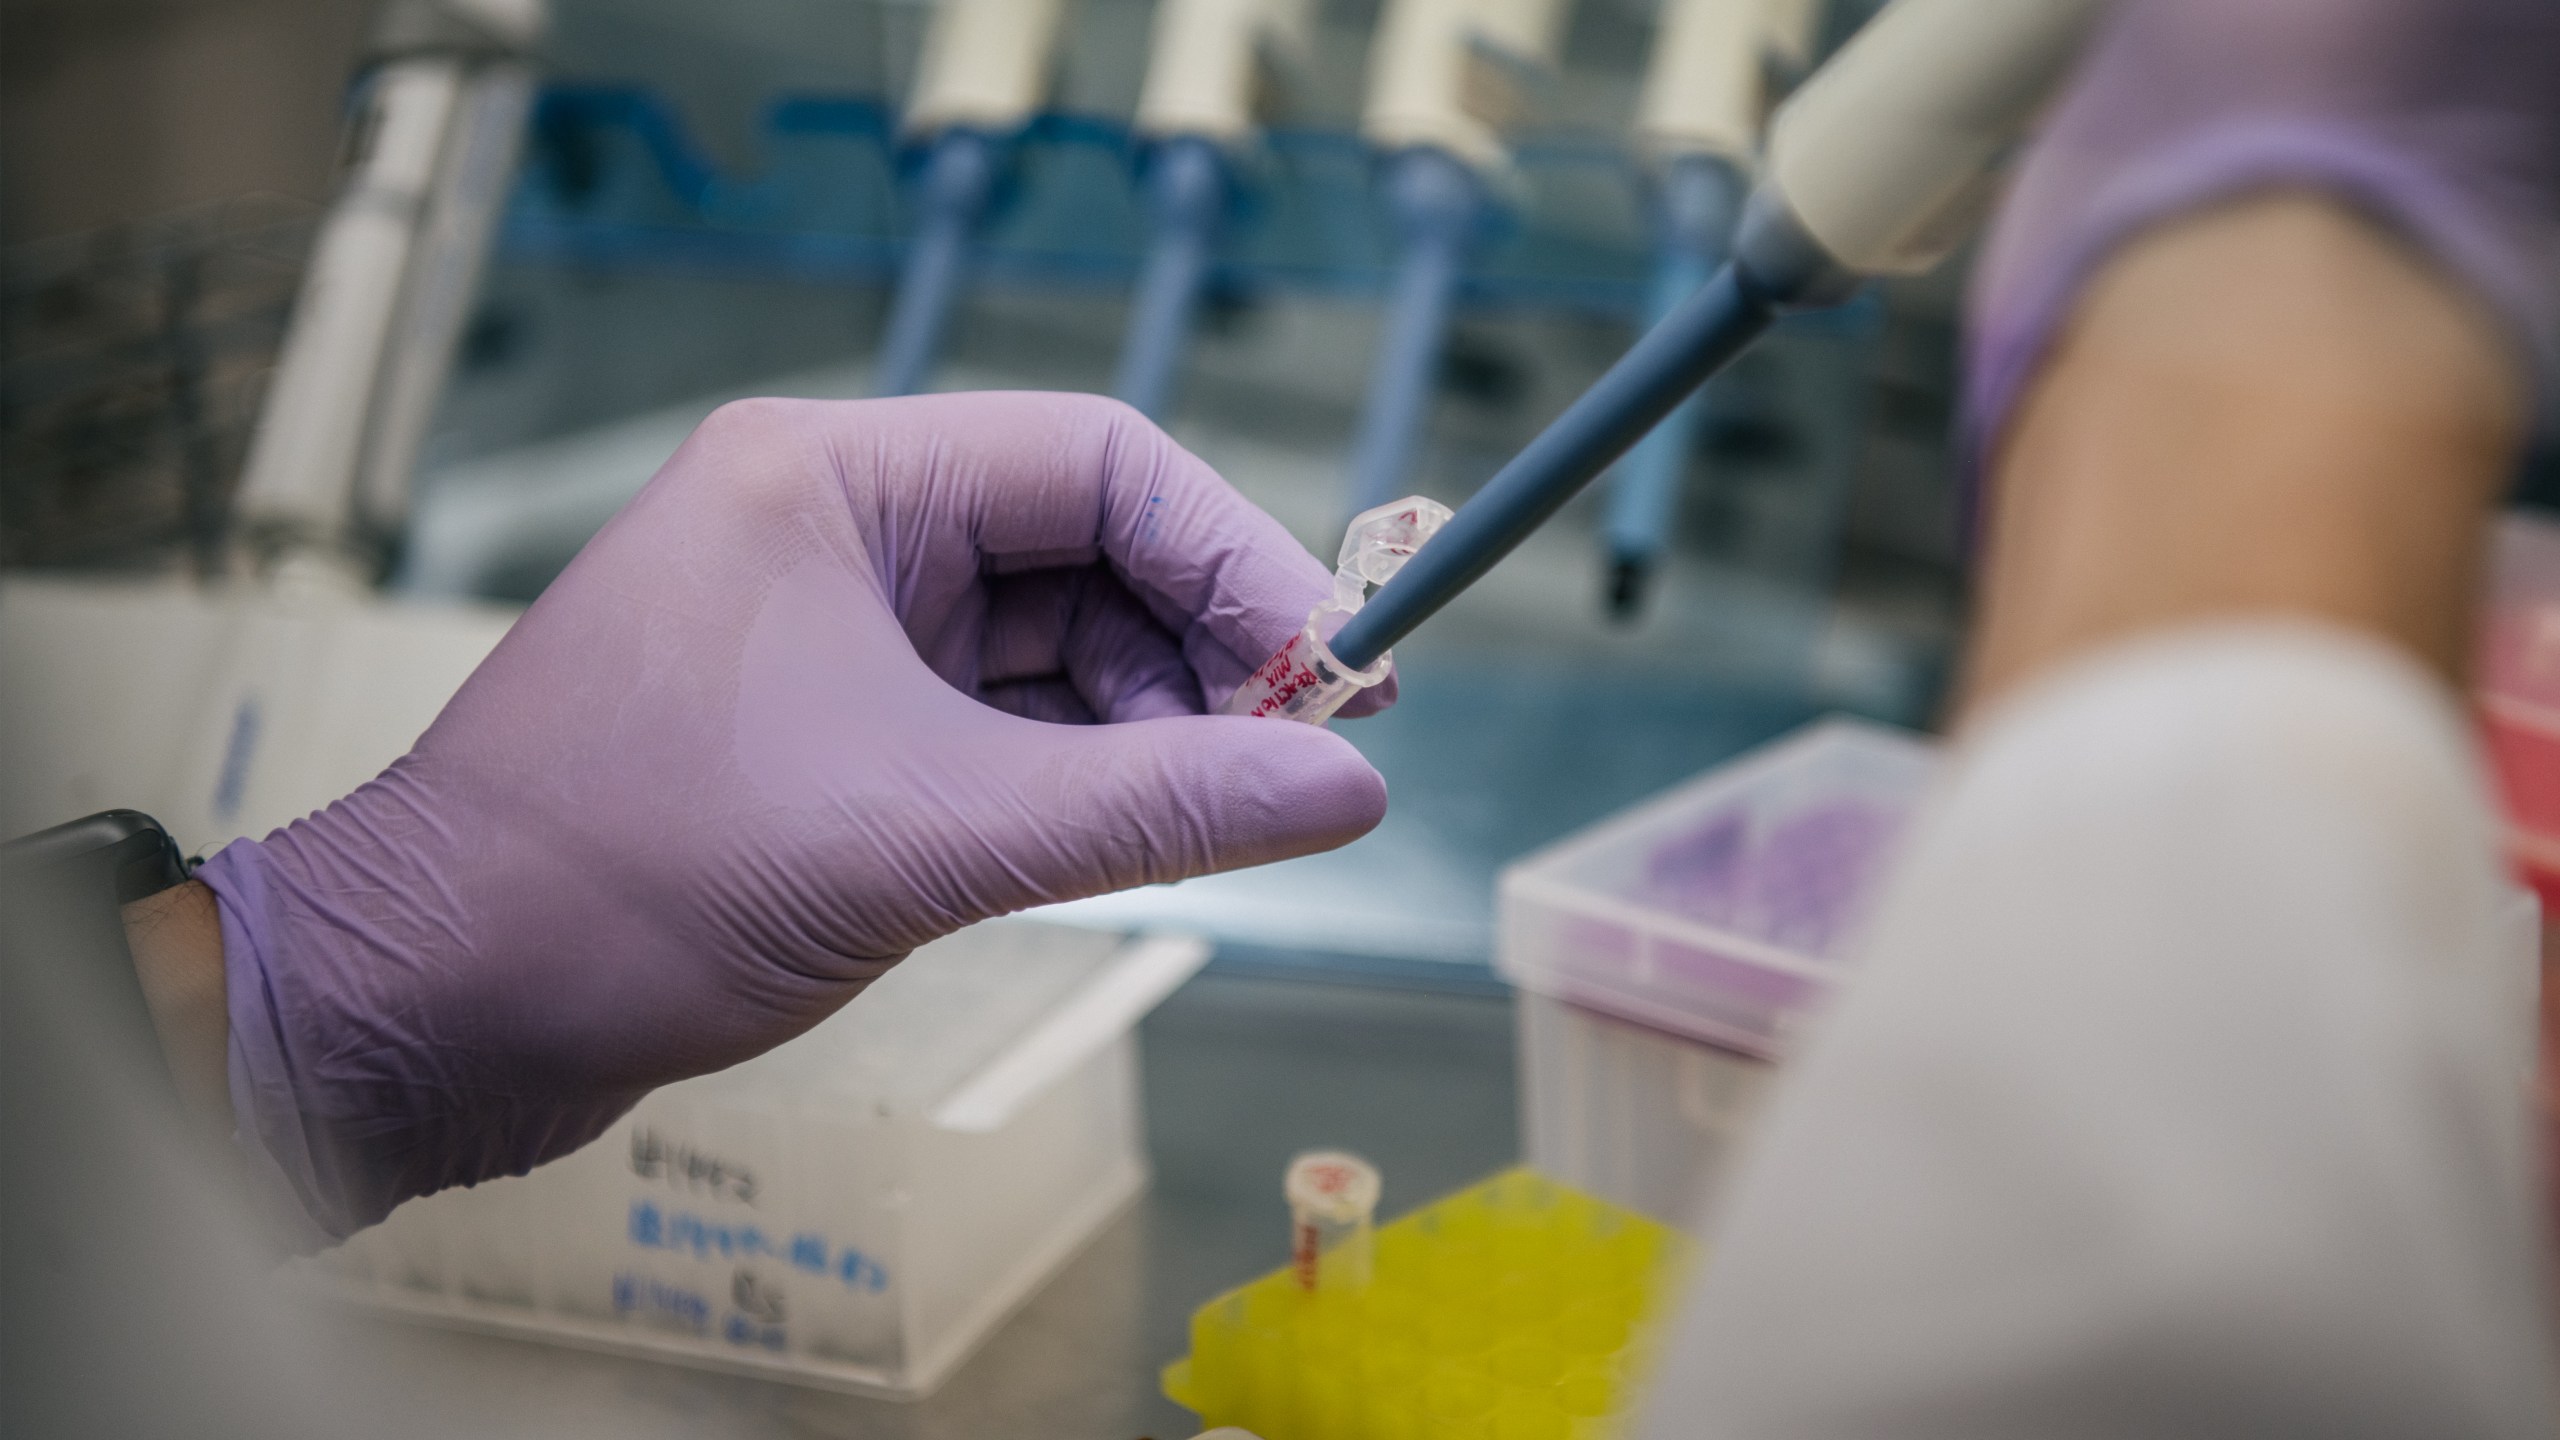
pixel 331 329
pixel 712 201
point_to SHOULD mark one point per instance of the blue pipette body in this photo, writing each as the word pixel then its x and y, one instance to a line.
pixel 1697 201
pixel 1438 205
pixel 959 177
pixel 1186 198
pixel 1907 117
pixel 1775 266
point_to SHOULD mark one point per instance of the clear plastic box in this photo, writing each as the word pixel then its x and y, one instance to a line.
pixel 857 1209
pixel 1724 909
pixel 1637 1116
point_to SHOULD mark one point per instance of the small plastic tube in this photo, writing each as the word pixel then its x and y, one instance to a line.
pixel 1333 1207
pixel 1304 681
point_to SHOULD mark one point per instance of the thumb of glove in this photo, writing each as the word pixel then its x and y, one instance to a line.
pixel 1106 807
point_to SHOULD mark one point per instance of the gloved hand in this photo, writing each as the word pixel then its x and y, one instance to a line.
pixel 2438 118
pixel 825 690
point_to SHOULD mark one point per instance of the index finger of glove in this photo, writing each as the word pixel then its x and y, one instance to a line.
pixel 1031 480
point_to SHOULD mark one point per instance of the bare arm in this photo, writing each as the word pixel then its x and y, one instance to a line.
pixel 2268 408
pixel 176 939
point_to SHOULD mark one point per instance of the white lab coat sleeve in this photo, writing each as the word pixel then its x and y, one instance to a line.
pixel 2182 1093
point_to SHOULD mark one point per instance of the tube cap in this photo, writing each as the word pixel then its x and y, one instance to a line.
pixel 1333 1185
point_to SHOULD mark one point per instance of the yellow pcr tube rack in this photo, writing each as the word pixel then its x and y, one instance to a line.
pixel 1516 1309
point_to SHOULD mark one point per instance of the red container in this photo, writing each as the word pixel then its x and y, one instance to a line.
pixel 2519 680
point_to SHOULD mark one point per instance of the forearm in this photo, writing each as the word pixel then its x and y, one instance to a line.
pixel 176 939
pixel 2268 409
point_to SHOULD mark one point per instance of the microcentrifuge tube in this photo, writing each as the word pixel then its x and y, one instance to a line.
pixel 1304 681
pixel 1333 1206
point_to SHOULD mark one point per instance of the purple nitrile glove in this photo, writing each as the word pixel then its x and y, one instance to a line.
pixel 2438 118
pixel 826 690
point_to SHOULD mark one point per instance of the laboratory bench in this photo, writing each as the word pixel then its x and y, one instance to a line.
pixel 1241 1068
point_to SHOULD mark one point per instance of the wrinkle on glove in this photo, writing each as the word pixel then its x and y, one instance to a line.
pixel 824 691
pixel 2182 1092
pixel 2439 119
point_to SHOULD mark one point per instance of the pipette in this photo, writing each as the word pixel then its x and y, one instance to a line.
pixel 1877 165
pixel 439 114
pixel 1442 77
pixel 1698 120
pixel 984 68
pixel 1205 74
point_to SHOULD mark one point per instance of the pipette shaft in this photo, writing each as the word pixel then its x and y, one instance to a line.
pixel 1674 358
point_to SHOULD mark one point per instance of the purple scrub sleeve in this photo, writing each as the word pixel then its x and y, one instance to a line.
pixel 2438 119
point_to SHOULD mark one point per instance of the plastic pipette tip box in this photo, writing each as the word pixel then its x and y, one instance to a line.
pixel 1726 909
pixel 1516 1309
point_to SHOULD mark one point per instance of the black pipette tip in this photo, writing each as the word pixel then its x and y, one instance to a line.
pixel 1630 576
